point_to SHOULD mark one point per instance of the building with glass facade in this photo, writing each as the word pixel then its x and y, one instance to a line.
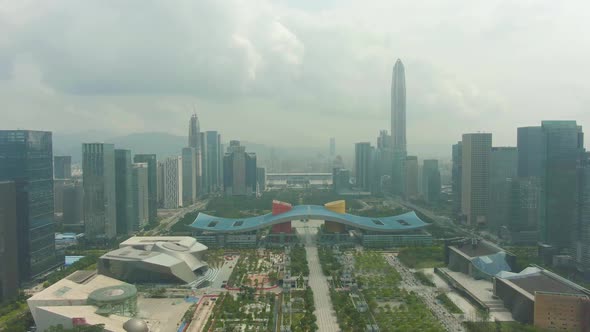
pixel 475 177
pixel 564 146
pixel 140 196
pixel 27 158
pixel 124 192
pixel 503 170
pixel 239 171
pixel 152 170
pixel 456 176
pixel 189 176
pixel 62 167
pixel 212 165
pixel 363 153
pixel 431 184
pixel 9 277
pixel 100 195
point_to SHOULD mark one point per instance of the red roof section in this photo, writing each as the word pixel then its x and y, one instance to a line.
pixel 279 207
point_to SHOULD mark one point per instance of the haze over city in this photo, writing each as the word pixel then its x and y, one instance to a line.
pixel 293 73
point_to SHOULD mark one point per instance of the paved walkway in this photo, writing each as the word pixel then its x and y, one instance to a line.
pixel 324 312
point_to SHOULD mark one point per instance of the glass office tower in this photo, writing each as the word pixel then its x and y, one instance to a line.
pixel 27 157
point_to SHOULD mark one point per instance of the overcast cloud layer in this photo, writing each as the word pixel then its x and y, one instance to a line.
pixel 293 72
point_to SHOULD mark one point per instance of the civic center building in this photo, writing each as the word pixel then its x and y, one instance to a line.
pixel 275 229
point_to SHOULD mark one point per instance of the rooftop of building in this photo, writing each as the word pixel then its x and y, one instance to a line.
pixel 399 223
pixel 477 249
pixel 183 241
pixel 534 279
pixel 77 286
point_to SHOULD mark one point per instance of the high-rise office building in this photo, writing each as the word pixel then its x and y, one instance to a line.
pixel 503 173
pixel 211 153
pixel 398 106
pixel 261 179
pixel 456 176
pixel 412 176
pixel 100 195
pixel 204 176
pixel 362 165
pixel 582 234
pixel 62 167
pixel 26 157
pixel 124 191
pixel 531 152
pixel 172 178
pixel 398 128
pixel 239 174
pixel 58 193
pixel 475 177
pixel 194 132
pixel 340 180
pixel 9 271
pixel 383 164
pixel 140 195
pixel 160 181
pixel 431 184
pixel 189 176
pixel 564 145
pixel 195 141
pixel 152 170
pixel 73 196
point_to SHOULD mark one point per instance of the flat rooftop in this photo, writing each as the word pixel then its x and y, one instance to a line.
pixel 480 249
pixel 544 283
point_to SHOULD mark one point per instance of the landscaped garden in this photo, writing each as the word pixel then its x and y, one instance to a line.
pixel 422 257
pixel 297 310
pixel 379 299
pixel 243 311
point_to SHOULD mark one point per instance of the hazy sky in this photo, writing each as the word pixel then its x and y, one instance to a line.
pixel 293 72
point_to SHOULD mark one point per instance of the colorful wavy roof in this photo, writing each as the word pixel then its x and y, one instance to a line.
pixel 393 224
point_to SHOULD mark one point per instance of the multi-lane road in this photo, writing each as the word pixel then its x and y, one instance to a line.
pixel 166 224
pixel 449 321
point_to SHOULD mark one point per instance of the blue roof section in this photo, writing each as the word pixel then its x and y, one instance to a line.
pixel 394 224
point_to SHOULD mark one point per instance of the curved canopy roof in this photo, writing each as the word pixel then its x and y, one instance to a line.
pixel 394 224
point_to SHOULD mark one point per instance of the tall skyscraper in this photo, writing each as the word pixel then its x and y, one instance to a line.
pixel 152 169
pixel 140 196
pixel 398 127
pixel 582 238
pixel 9 276
pixel 212 161
pixel 412 176
pixel 27 159
pixel 194 133
pixel 398 106
pixel 564 145
pixel 160 186
pixel 189 176
pixel 73 196
pixel 124 191
pixel 62 167
pixel 383 163
pixel 531 152
pixel 100 198
pixel 503 170
pixel 172 173
pixel 362 165
pixel 195 141
pixel 239 174
pixel 431 184
pixel 456 176
pixel 476 150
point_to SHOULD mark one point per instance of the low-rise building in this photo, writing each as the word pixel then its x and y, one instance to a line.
pixel 170 259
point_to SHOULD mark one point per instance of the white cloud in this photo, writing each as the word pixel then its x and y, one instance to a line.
pixel 141 65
